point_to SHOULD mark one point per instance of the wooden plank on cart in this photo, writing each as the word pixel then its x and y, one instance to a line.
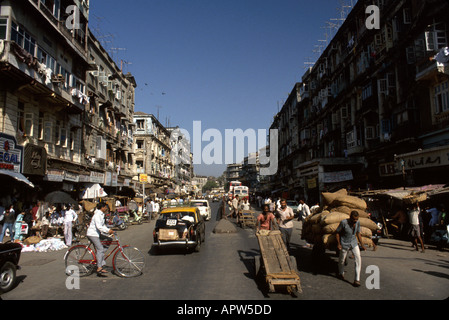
pixel 279 268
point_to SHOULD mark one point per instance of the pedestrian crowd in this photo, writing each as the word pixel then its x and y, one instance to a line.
pixel 21 221
pixel 418 225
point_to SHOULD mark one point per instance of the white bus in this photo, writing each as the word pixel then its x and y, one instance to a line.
pixel 241 191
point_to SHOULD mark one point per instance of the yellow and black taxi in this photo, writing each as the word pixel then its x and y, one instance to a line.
pixel 182 227
pixel 9 259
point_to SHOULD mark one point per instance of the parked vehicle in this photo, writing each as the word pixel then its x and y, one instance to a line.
pixel 114 220
pixel 203 206
pixel 182 227
pixel 294 205
pixel 9 260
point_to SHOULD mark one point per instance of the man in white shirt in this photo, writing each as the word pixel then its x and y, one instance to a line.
pixel 69 218
pixel 285 216
pixel 415 231
pixel 97 229
pixel 303 210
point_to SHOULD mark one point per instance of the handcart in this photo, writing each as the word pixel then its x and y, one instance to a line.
pixel 275 265
pixel 247 219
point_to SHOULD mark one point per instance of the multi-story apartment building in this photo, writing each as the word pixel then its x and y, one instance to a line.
pixel 153 152
pixel 373 110
pixel 232 173
pixel 74 130
pixel 250 172
pixel 43 58
pixel 182 162
pixel 107 145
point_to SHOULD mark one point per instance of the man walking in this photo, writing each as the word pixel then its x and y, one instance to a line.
pixel 415 229
pixel 234 207
pixel 285 216
pixel 348 238
pixel 8 223
pixel 304 210
pixel 69 218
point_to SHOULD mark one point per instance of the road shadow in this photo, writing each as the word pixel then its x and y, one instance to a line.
pixel 434 273
pixel 155 251
pixel 314 260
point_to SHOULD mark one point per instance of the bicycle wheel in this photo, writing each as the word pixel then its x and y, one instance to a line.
pixel 81 257
pixel 129 262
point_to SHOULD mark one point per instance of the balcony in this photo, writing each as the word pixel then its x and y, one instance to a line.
pixel 427 71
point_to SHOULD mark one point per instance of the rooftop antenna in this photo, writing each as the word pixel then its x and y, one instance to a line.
pixel 122 62
pixel 158 107
pixel 308 63
pixel 115 50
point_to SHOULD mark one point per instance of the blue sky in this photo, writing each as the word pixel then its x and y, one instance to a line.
pixel 226 63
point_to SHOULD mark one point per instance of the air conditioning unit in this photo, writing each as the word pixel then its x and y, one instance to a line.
pixel 57 78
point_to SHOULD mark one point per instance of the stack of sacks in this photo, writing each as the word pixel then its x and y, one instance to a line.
pixel 321 227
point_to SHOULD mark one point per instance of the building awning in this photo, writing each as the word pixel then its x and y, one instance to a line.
pixel 17 176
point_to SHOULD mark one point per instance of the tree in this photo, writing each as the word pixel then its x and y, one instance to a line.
pixel 210 184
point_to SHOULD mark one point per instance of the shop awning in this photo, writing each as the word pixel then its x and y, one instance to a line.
pixel 17 176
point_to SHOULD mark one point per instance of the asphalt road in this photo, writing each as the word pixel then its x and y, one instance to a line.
pixel 223 270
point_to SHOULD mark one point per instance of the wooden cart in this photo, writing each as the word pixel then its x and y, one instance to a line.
pixel 247 219
pixel 275 265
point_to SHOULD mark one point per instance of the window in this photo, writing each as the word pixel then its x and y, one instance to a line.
pixel 48 129
pixel 3 27
pixel 23 38
pixel 40 126
pixel 72 141
pixel 370 133
pixel 140 124
pixel 29 124
pixel 407 16
pixel 436 37
pixel 441 97
pixel 21 118
pixel 46 59
pixel 63 138
pixel 140 144
pixel 57 132
pixel 53 6
pixel 350 139
pixel 367 92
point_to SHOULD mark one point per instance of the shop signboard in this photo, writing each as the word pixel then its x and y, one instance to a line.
pixel 97 177
pixel 11 154
pixel 339 176
pixel 427 158
pixel 35 160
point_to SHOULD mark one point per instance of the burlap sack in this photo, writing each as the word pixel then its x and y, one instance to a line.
pixel 334 217
pixel 330 241
pixel 347 210
pixel 316 229
pixel 317 218
pixel 350 202
pixel 329 197
pixel 368 223
pixel 331 228
pixel 365 232
pixel 32 240
pixel 367 242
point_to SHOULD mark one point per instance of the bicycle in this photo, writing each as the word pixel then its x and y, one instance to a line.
pixel 127 261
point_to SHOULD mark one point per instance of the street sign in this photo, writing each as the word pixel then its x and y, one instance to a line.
pixel 143 178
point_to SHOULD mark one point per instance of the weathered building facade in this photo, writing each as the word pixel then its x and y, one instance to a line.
pixel 373 110
pixel 74 130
